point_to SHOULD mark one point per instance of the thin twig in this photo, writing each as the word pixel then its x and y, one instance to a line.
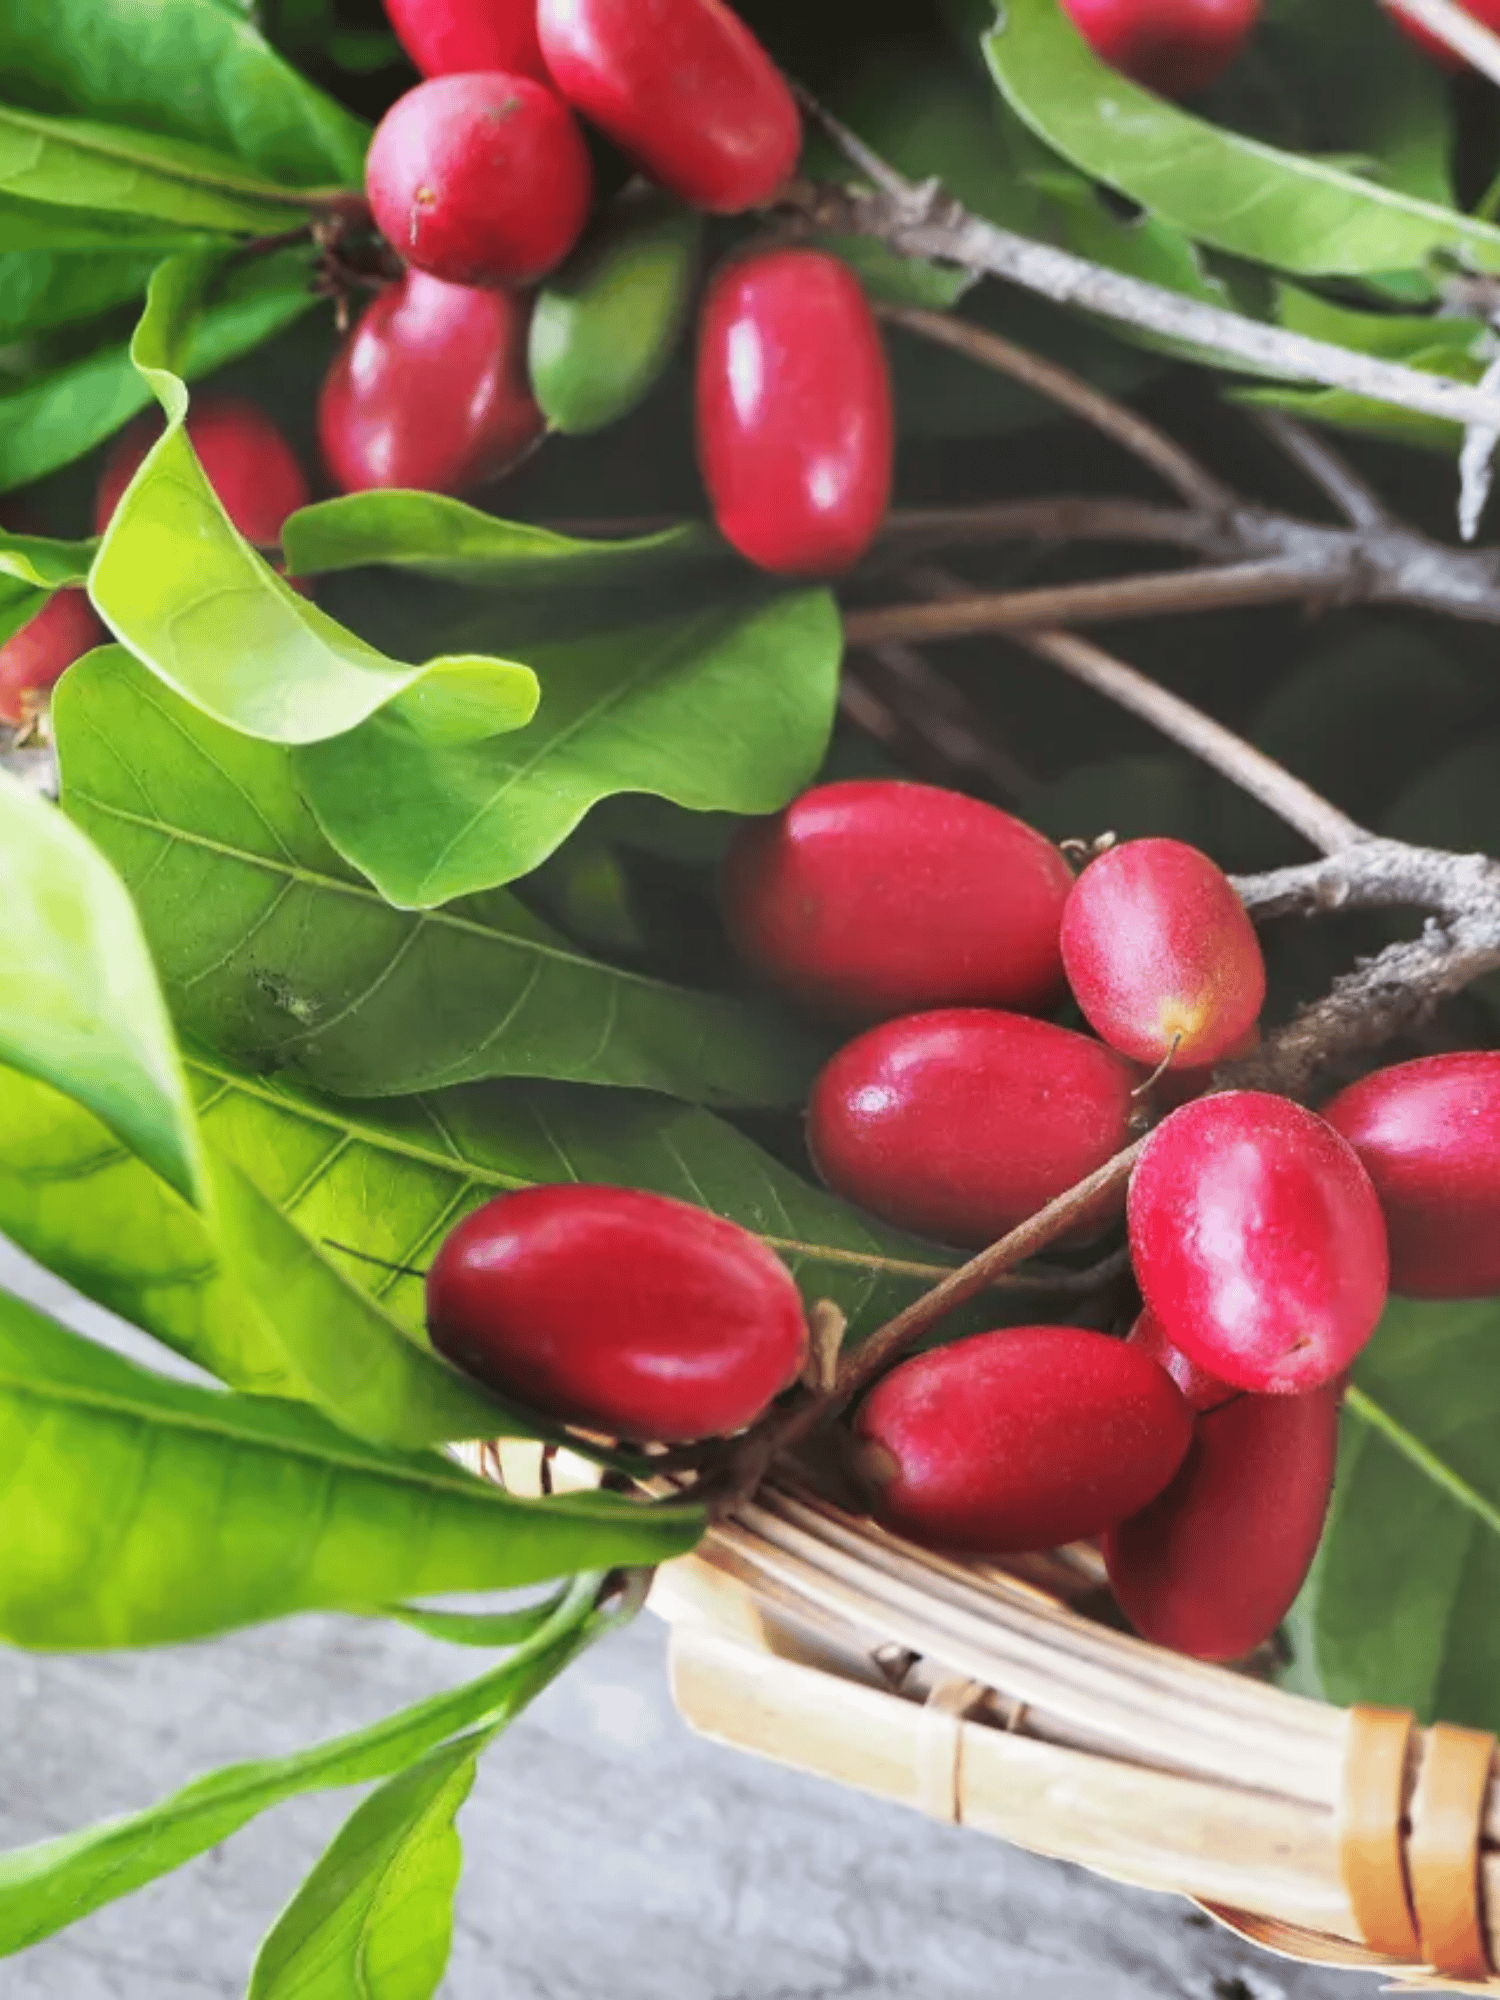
pixel 1116 420
pixel 948 722
pixel 1060 518
pixel 1456 28
pixel 1359 503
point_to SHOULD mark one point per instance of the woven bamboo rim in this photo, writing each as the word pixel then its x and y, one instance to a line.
pixel 979 1695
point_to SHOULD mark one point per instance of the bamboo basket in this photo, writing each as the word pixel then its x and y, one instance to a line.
pixel 983 1696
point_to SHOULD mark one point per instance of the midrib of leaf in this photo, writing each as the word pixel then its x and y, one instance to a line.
pixel 86 139
pixel 1423 1457
pixel 361 892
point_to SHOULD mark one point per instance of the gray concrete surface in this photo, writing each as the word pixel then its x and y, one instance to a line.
pixel 610 1854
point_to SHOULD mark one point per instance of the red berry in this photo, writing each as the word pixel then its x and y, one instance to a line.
pixel 249 464
pixel 960 1124
pixel 873 898
pixel 1212 1565
pixel 480 179
pixel 1486 12
pixel 1257 1241
pixel 620 1312
pixel 34 658
pixel 429 390
pixel 795 426
pixel 1174 47
pixel 446 36
pixel 1428 1134
pixel 1160 954
pixel 1020 1439
pixel 1203 1391
pixel 683 88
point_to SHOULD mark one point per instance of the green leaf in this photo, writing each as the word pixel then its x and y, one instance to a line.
pixel 1346 411
pixel 1404 1598
pixel 202 1510
pixel 727 709
pixel 193 69
pixel 275 953
pixel 40 289
pixel 374 1919
pixel 79 1003
pixel 478 1628
pixel 55 417
pixel 53 1884
pixel 70 163
pixel 188 595
pixel 1236 194
pixel 44 561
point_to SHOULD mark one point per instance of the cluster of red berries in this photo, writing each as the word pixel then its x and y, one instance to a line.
pixel 1201 1448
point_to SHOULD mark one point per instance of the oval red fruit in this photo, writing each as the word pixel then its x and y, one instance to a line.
pixel 429 390
pixel 1203 1391
pixel 1160 954
pixel 617 1311
pixel 875 897
pixel 794 421
pixel 1174 47
pixel 683 88
pixel 1257 1241
pixel 1428 1134
pixel 961 1123
pixel 1485 12
pixel 480 179
pixel 36 656
pixel 1019 1439
pixel 443 37
pixel 248 462
pixel 1212 1565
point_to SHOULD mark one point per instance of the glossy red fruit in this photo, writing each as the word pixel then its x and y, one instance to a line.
pixel 1019 1439
pixel 1211 1566
pixel 1202 1390
pixel 1160 954
pixel 795 428
pixel 1428 1134
pixel 1486 12
pixel 1257 1241
pixel 249 464
pixel 1174 47
pixel 429 390
pixel 683 88
pixel 620 1312
pixel 961 1123
pixel 34 658
pixel 875 897
pixel 443 37
pixel 480 179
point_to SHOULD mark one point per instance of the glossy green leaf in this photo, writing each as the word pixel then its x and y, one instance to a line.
pixel 374 1919
pixel 55 1883
pixel 478 1628
pixel 180 586
pixel 111 169
pixel 725 709
pixel 1251 200
pixel 40 289
pixel 274 952
pixel 193 69
pixel 203 1510
pixel 80 1008
pixel 58 415
pixel 1404 1598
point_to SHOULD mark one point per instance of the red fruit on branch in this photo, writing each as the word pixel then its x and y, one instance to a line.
pixel 874 897
pixel 1485 12
pixel 796 435
pixel 683 88
pixel 961 1123
pixel 620 1312
pixel 1203 1391
pixel 36 656
pixel 429 390
pixel 249 464
pixel 1211 1566
pixel 1428 1135
pixel 480 179
pixel 1174 47
pixel 443 37
pixel 1257 1241
pixel 1161 956
pixel 1019 1440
